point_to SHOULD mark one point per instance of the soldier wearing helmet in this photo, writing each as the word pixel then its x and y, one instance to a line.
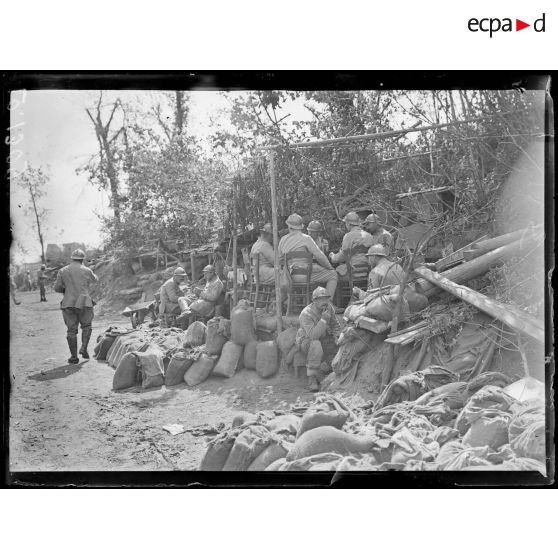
pixel 208 291
pixel 379 234
pixel 322 270
pixel 383 271
pixel 171 292
pixel 356 241
pixel 315 231
pixel 74 281
pixel 316 321
pixel 264 247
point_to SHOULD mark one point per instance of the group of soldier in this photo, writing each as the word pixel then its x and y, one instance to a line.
pixel 366 245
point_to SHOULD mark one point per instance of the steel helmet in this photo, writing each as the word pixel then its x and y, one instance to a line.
pixel 43 266
pixel 295 221
pixel 320 292
pixel 180 271
pixel 267 228
pixel 377 250
pixel 209 268
pixel 352 218
pixel 372 218
pixel 78 255
pixel 315 226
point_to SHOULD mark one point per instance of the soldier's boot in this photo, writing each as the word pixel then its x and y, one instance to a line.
pixel 313 384
pixel 72 344
pixel 85 336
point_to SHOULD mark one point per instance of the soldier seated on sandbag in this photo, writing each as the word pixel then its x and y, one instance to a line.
pixel 383 271
pixel 316 321
pixel 206 295
pixel 169 306
pixel 355 241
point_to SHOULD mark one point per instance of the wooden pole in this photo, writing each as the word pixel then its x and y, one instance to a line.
pixel 193 264
pixel 234 249
pixel 513 317
pixel 469 270
pixel 275 239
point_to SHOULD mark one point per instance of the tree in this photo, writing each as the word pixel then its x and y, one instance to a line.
pixel 107 172
pixel 33 181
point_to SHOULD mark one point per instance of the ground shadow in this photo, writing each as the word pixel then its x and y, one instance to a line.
pixel 56 373
pixel 161 399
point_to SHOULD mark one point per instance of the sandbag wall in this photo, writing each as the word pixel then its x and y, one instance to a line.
pixel 484 424
pixel 153 356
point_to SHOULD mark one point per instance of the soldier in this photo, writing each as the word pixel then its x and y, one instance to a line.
pixel 41 278
pixel 379 234
pixel 356 240
pixel 208 294
pixel 264 247
pixel 322 270
pixel 316 320
pixel 74 281
pixel 171 292
pixel 315 230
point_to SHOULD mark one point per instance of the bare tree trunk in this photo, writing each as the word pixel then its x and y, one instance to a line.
pixel 107 153
pixel 39 232
pixel 180 114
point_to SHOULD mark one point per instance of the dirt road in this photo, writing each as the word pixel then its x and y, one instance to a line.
pixel 67 418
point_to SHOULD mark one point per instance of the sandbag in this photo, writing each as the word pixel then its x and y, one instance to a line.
pixel 284 424
pixel 215 338
pixel 276 465
pixel 267 358
pixel 102 348
pixel 416 301
pixel 527 433
pixel 286 340
pixel 243 418
pixel 326 439
pixel 249 355
pixel 269 455
pixel 126 374
pixel 408 445
pixel 328 461
pixel 195 335
pixel 150 365
pixel 218 451
pixel 488 431
pixel 242 323
pixel 229 360
pixel 383 307
pixel 199 370
pixel 247 446
pixel 266 321
pixel 177 367
pixel 327 411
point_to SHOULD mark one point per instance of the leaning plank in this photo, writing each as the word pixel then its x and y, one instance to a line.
pixel 513 317
pixel 479 266
pixel 481 247
pixel 408 337
pixel 455 257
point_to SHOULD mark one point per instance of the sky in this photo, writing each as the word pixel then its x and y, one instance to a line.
pixel 51 128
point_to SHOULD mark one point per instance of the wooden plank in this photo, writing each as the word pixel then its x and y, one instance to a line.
pixel 514 317
pixel 455 257
pixel 469 270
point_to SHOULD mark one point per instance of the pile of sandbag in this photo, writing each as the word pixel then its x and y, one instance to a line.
pixel 465 426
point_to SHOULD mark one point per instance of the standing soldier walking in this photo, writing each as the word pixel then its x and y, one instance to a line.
pixel 41 278
pixel 74 281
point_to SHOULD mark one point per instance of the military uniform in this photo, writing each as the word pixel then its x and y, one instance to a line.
pixel 385 273
pixel 267 261
pixel 355 239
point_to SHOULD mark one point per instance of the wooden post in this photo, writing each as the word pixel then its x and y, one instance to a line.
pixel 193 264
pixel 234 249
pixel 275 240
